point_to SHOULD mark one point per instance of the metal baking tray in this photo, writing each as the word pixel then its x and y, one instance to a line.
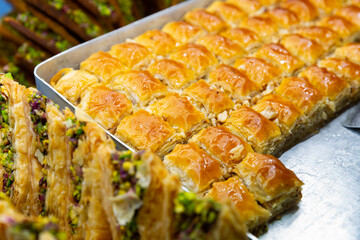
pixel 328 162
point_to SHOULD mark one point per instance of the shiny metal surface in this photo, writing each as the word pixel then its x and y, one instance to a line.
pixel 329 165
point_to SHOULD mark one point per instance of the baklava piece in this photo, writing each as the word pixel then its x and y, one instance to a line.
pixel 227 11
pixel 284 17
pixel 234 82
pixel 344 28
pixel 104 66
pixel 304 10
pixel 350 51
pixel 172 73
pixel 336 89
pixel 183 32
pixel 179 113
pixel 196 169
pixel 327 5
pixel 143 130
pixel 305 49
pixel 195 56
pixel 351 13
pixel 254 216
pixel 140 86
pixel 277 54
pixel 107 107
pixel 157 41
pixel 263 134
pixel 226 50
pixel 273 185
pixel 71 83
pixel 246 38
pixel 280 111
pixel 223 145
pixel 248 6
pixel 210 100
pixel 323 35
pixel 132 55
pixel 264 27
pixel 206 20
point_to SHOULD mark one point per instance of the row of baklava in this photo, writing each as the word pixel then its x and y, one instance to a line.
pixel 169 117
pixel 56 164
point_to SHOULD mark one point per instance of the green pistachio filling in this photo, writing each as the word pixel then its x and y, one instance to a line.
pixel 58 4
pixel 129 188
pixel 7 152
pixel 194 217
pixel 104 7
pixel 14 70
pixel 31 55
pixel 31 22
pixel 126 10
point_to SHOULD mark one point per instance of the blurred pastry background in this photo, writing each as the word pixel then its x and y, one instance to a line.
pixel 33 30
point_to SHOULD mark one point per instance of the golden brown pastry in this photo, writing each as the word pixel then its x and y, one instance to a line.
pixel 301 92
pixel 71 83
pixel 248 6
pixel 280 111
pixel 223 145
pixel 351 13
pixel 277 54
pixel 196 56
pixel 179 113
pixel 213 100
pixel 143 130
pixel 304 10
pixel 323 35
pixel 234 82
pixel 246 38
pixel 157 41
pixel 305 49
pixel 225 49
pixel 132 55
pixel 344 28
pixel 104 66
pixel 327 5
pixel 284 17
pixel 255 128
pixel 172 73
pixel 273 185
pixel 263 26
pixel 258 70
pixel 233 190
pixel 107 107
pixel 195 168
pixel 350 51
pixel 140 86
pixel 227 11
pixel 183 32
pixel 206 20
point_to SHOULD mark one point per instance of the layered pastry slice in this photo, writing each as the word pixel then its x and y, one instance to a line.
pixel 343 27
pixel 305 49
pixel 214 103
pixel 71 83
pixel 157 41
pixel 336 89
pixel 140 86
pixel 234 83
pixel 272 184
pixel 263 26
pixel 173 73
pixel 283 17
pixel 143 130
pixel 350 51
pixel 279 56
pixel 246 38
pixel 280 111
pixel 248 6
pixel 195 56
pixel 226 50
pixel 206 20
pixel 304 10
pixel 323 35
pixel 227 11
pixel 254 216
pixel 132 55
pixel 328 5
pixel 203 218
pixel 220 143
pixel 263 135
pixel 104 66
pixel 306 97
pixel 180 113
pixel 106 106
pixel 351 13
pixel 183 32
pixel 196 169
